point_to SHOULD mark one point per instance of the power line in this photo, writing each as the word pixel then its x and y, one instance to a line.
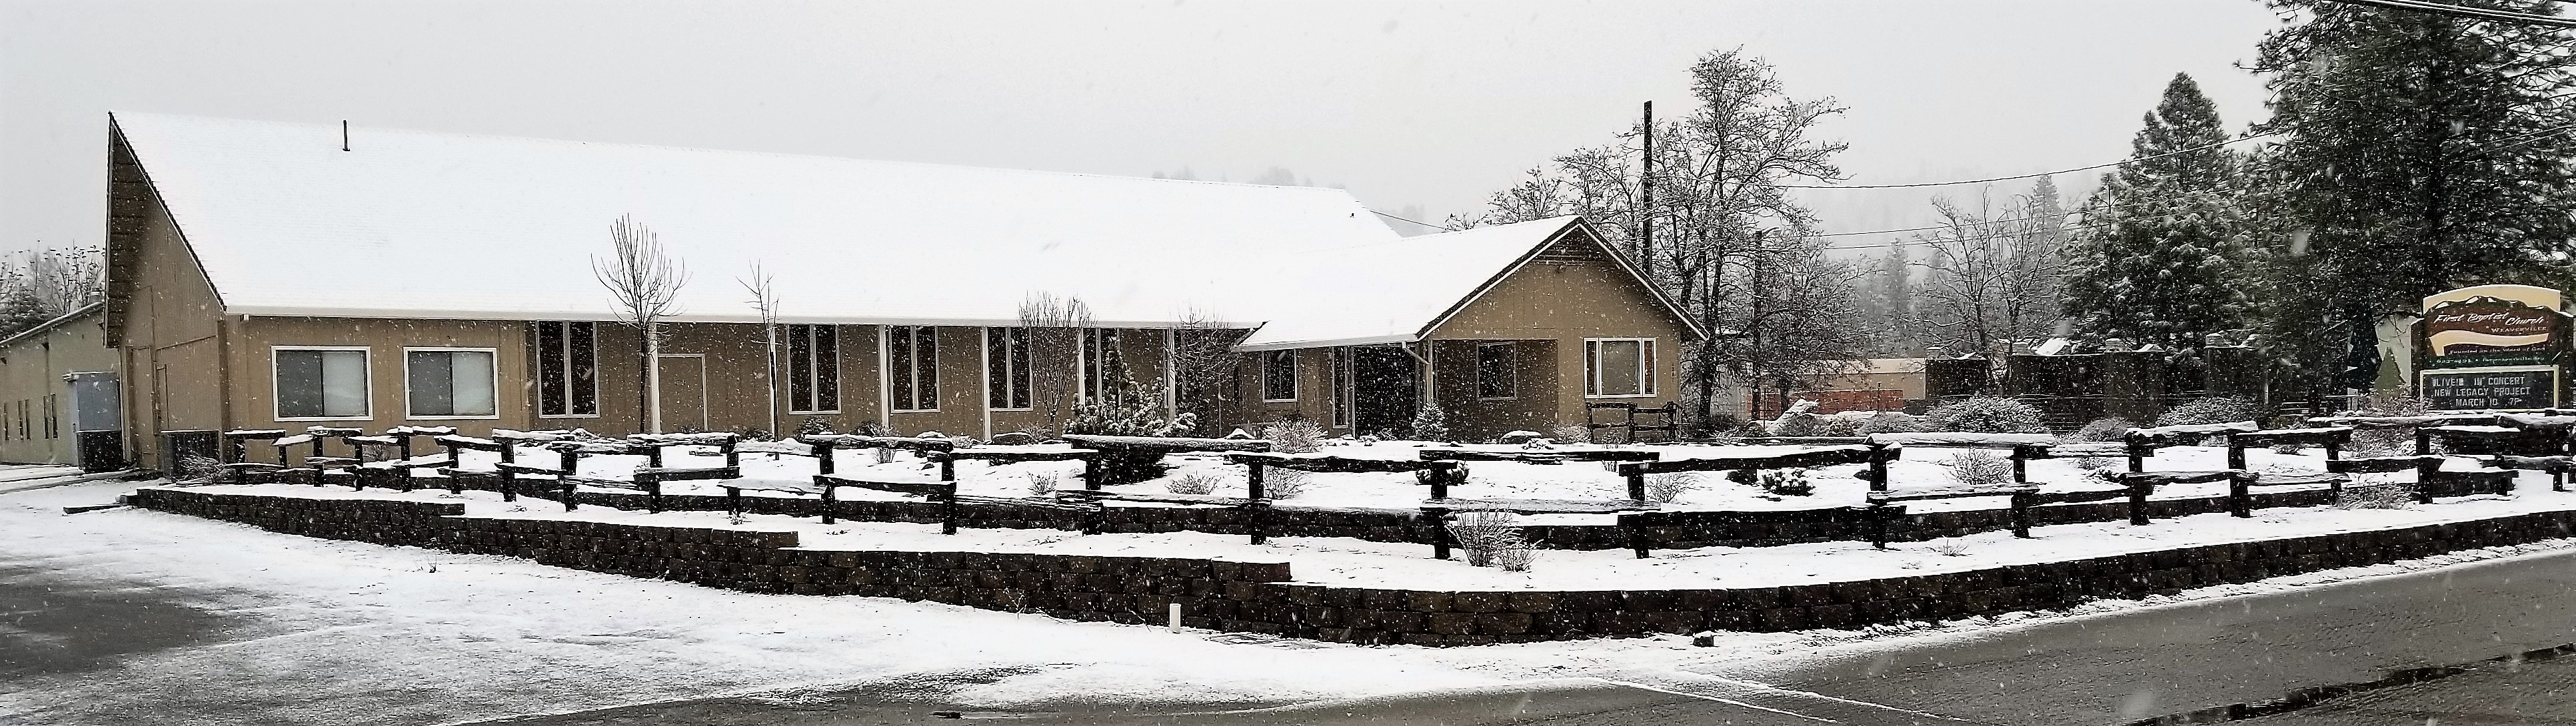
pixel 2460 11
pixel 1411 222
pixel 2203 147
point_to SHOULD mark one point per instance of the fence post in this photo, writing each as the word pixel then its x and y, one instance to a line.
pixel 2240 495
pixel 733 500
pixel 1438 519
pixel 2138 489
pixel 2425 472
pixel 2137 453
pixel 2021 463
pixel 2423 441
pixel 1878 516
pixel 948 509
pixel 2022 501
pixel 509 479
pixel 1636 524
pixel 1091 470
pixel 827 497
pixel 1878 458
pixel 1636 475
pixel 2235 452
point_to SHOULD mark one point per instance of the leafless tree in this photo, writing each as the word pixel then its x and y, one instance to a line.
pixel 1054 326
pixel 645 283
pixel 764 298
pixel 1203 365
pixel 64 278
pixel 1993 278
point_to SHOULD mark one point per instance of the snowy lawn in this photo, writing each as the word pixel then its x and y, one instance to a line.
pixel 1357 563
pixel 1835 486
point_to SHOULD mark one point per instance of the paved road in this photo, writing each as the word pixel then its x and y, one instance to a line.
pixel 50 624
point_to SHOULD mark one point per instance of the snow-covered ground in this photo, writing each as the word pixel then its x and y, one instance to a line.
pixel 410 635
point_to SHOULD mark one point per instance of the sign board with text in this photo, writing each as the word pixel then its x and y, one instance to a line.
pixel 2492 347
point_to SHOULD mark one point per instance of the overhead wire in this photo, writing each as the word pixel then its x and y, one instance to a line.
pixel 2462 11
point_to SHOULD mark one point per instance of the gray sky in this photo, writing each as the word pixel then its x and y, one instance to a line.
pixel 1408 104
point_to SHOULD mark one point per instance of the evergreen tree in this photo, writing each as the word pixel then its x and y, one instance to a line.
pixel 21 310
pixel 2161 259
pixel 2418 152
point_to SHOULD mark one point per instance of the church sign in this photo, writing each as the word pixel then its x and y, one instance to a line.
pixel 2492 347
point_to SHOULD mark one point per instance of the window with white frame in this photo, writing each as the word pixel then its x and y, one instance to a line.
pixel 321 383
pixel 912 367
pixel 449 383
pixel 1497 371
pixel 1006 366
pixel 567 369
pixel 1615 367
pixel 813 369
pixel 1279 375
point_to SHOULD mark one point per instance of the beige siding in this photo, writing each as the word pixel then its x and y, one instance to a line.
pixel 32 369
pixel 1570 294
pixel 255 383
pixel 172 338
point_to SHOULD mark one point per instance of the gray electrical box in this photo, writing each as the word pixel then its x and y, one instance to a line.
pixel 98 434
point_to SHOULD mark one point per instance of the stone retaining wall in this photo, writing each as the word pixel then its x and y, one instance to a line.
pixel 1257 597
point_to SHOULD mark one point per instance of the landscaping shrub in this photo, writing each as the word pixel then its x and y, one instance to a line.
pixel 2387 402
pixel 194 468
pixel 1891 422
pixel 1753 428
pixel 811 426
pixel 1787 483
pixel 1985 415
pixel 1042 483
pixel 2107 428
pixel 1282 483
pixel 1294 436
pixel 1667 488
pixel 1799 424
pixel 1977 469
pixel 2377 491
pixel 1516 555
pixel 1571 434
pixel 2211 410
pixel 1842 426
pixel 1430 423
pixel 1196 482
pixel 1719 423
pixel 1483 531
pixel 1949 547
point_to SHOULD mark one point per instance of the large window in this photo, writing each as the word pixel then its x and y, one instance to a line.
pixel 53 416
pixel 1279 375
pixel 813 369
pixel 1619 367
pixel 23 431
pixel 321 383
pixel 1497 376
pixel 1006 366
pixel 912 366
pixel 1100 363
pixel 568 369
pixel 449 383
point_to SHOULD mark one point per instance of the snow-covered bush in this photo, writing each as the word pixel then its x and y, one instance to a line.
pixel 1752 428
pixel 2289 449
pixel 2211 410
pixel 1842 426
pixel 1516 556
pixel 1891 422
pixel 1430 423
pixel 1196 482
pixel 1799 424
pixel 1570 434
pixel 885 454
pixel 1667 488
pixel 1294 436
pixel 1282 483
pixel 1985 415
pixel 2387 402
pixel 2107 428
pixel 811 426
pixel 194 468
pixel 1483 531
pixel 1978 468
pixel 1042 483
pixel 1787 482
pixel 2092 463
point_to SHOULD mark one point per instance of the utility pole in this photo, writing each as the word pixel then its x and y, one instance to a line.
pixel 1646 207
pixel 1753 329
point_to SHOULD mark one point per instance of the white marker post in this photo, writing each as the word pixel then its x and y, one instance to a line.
pixel 1176 616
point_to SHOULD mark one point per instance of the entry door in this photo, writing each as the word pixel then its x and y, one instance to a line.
pixel 1384 390
pixel 684 392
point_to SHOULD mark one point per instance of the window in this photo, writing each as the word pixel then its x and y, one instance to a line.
pixel 1279 375
pixel 813 369
pixel 22 420
pixel 321 383
pixel 1006 366
pixel 912 366
pixel 53 416
pixel 449 383
pixel 1101 369
pixel 1619 367
pixel 567 369
pixel 1496 374
pixel 1341 358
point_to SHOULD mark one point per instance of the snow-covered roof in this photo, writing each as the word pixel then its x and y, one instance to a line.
pixel 1395 290
pixel 412 224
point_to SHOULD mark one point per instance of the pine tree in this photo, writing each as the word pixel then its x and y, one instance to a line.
pixel 2418 152
pixel 21 310
pixel 2162 258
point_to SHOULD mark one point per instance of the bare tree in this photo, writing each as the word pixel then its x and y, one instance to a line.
pixel 1799 321
pixel 1203 364
pixel 1054 326
pixel 764 298
pixel 63 278
pixel 645 283
pixel 1993 278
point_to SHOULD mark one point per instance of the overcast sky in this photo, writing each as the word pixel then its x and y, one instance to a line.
pixel 1411 105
